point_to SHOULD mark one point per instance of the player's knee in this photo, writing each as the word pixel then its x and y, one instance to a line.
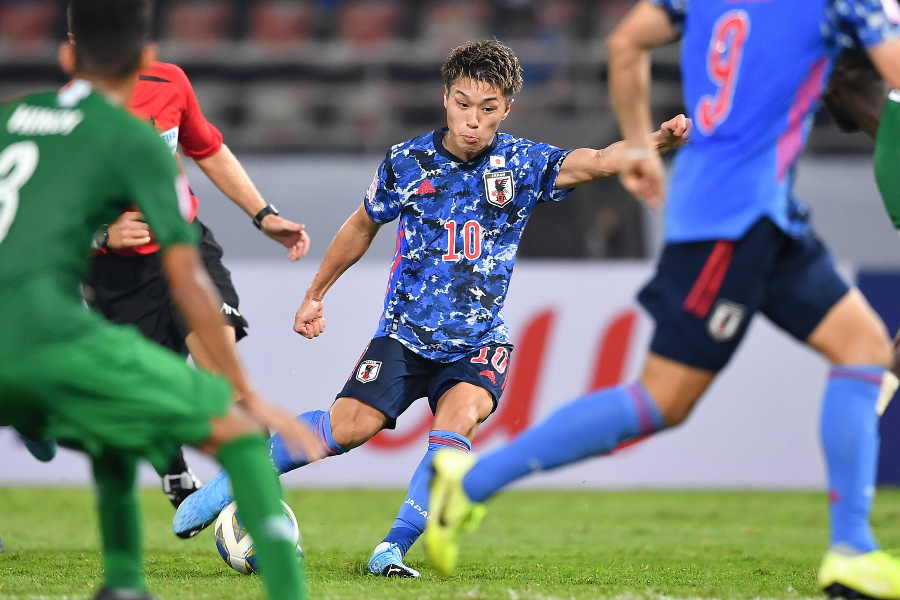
pixel 674 387
pixel 871 346
pixel 353 423
pixel 463 408
pixel 461 418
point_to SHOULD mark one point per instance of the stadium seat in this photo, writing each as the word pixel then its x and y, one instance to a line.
pixel 282 22
pixel 367 23
pixel 198 27
pixel 448 23
pixel 29 22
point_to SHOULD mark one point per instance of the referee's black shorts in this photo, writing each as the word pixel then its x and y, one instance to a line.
pixel 132 290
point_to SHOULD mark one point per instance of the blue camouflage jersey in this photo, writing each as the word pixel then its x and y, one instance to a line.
pixel 457 237
pixel 753 73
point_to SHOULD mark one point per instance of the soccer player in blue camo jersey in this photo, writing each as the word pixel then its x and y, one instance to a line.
pixel 737 243
pixel 462 195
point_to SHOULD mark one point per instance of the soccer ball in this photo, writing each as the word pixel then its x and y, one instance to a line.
pixel 235 545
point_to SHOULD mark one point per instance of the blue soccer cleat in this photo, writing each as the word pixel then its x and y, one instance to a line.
pixel 201 508
pixel 387 561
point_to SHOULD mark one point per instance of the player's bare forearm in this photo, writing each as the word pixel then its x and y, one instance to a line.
pixel 644 28
pixel 586 164
pixel 349 245
pixel 199 303
pixel 226 172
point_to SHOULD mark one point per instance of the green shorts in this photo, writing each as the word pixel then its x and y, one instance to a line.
pixel 109 388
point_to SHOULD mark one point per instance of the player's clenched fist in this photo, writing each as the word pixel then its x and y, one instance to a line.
pixel 674 133
pixel 310 319
pixel 643 176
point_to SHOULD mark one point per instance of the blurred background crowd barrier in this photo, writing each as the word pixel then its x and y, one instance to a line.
pixel 349 78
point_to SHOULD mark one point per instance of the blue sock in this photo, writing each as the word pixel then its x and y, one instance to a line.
pixel 850 441
pixel 410 521
pixel 320 423
pixel 591 425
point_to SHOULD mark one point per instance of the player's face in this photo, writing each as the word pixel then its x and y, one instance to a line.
pixel 474 112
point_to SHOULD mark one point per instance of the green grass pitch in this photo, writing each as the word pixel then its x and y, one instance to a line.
pixel 533 545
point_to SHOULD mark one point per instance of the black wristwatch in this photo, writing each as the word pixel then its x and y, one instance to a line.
pixel 268 210
pixel 101 239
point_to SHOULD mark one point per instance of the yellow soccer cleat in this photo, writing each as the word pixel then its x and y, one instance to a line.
pixel 870 575
pixel 451 511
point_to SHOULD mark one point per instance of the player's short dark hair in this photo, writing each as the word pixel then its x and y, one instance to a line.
pixel 487 61
pixel 110 35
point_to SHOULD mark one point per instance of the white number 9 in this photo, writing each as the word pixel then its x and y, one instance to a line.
pixel 17 165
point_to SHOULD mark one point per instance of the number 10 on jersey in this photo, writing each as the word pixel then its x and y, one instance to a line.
pixel 471 241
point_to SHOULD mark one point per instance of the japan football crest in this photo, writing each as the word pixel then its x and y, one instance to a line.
pixel 725 320
pixel 498 186
pixel 368 371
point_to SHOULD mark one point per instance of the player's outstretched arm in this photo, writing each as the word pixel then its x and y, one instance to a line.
pixel 349 244
pixel 645 27
pixel 587 164
pixel 228 174
pixel 199 303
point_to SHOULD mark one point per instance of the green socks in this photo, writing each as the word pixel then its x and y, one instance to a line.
pixel 258 495
pixel 120 525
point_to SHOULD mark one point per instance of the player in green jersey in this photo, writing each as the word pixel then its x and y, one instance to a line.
pixel 70 161
pixel 858 100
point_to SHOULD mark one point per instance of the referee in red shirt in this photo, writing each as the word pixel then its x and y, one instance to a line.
pixel 126 282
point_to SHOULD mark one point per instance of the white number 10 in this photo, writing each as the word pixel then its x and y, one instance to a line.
pixel 17 165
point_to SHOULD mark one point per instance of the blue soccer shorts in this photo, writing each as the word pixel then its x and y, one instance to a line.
pixel 390 377
pixel 704 294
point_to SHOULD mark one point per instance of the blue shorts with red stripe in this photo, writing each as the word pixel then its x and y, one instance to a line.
pixel 704 294
pixel 390 377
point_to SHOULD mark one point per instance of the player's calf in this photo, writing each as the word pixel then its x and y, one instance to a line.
pixel 674 387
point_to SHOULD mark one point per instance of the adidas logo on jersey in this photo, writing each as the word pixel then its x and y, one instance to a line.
pixel 37 120
pixel 425 188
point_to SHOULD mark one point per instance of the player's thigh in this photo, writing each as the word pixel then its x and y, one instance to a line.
pixel 851 333
pixel 464 393
pixel 704 295
pixel 386 380
pixel 112 388
pixel 809 299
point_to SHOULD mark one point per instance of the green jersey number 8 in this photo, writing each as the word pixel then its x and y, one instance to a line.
pixel 17 165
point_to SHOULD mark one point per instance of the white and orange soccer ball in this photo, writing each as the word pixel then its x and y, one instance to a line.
pixel 235 545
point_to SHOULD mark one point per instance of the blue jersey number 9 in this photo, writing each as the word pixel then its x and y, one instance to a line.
pixel 723 62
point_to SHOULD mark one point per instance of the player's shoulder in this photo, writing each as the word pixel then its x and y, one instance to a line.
pixel 35 99
pixel 512 144
pixel 406 156
pixel 861 23
pixel 164 72
pixel 131 135
pixel 420 142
